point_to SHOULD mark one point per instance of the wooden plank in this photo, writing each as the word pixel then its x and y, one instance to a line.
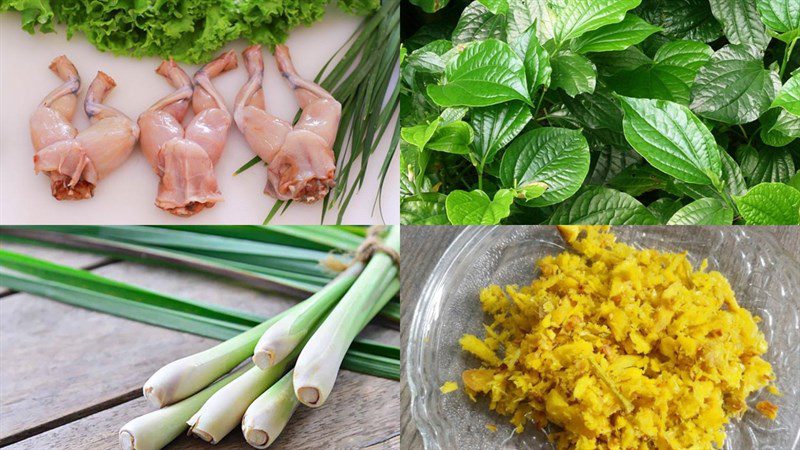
pixel 422 247
pixel 103 360
pixel 355 416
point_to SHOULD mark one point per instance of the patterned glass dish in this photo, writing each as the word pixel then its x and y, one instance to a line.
pixel 764 276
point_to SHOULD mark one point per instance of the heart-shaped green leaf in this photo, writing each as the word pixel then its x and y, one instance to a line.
pixel 536 59
pixel 789 96
pixel 615 37
pixel 770 204
pixel 771 165
pixel 573 73
pixel 424 209
pixel 485 73
pixel 557 157
pixel 664 208
pixel 476 208
pixel 580 16
pixel 477 23
pixel 602 206
pixel 706 211
pixel 672 139
pixel 734 87
pixel 454 137
pixel 495 126
pixel 688 54
pixel 782 16
pixel 524 13
pixel 682 19
pixel 741 22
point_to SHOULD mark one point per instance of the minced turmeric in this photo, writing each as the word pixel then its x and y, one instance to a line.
pixel 620 348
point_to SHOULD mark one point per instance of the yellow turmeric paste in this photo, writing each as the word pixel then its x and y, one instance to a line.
pixel 619 347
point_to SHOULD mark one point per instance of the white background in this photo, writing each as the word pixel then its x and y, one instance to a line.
pixel 127 195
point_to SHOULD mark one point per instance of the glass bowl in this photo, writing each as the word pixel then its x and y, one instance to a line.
pixel 764 276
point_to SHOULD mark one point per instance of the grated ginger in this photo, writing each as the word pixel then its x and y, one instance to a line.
pixel 620 348
pixel 448 387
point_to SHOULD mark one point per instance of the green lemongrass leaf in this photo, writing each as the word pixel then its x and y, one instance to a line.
pixel 329 236
pixel 259 277
pixel 295 284
pixel 274 210
pixel 154 309
pixel 324 238
pixel 122 307
pixel 87 280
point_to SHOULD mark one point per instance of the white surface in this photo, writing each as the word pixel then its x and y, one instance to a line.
pixel 127 196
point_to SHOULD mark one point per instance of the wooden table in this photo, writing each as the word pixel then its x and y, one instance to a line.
pixel 421 249
pixel 70 377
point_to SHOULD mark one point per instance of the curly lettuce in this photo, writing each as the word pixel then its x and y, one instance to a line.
pixel 186 30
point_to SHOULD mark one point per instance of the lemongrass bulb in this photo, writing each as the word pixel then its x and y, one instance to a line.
pixel 224 410
pixel 155 430
pixel 318 364
pixel 268 415
pixel 280 339
pixel 182 378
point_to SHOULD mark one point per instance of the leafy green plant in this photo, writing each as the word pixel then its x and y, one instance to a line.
pixel 600 112
pixel 186 30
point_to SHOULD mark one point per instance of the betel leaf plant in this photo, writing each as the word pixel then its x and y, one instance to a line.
pixel 600 112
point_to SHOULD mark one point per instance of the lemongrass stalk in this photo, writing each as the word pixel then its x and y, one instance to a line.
pixel 221 413
pixel 182 378
pixel 319 362
pixel 268 415
pixel 155 430
pixel 281 338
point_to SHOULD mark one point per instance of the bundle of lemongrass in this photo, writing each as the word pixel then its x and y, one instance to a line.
pixel 295 356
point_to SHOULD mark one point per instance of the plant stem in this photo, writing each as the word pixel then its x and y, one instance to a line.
pixel 319 362
pixel 224 410
pixel 539 103
pixel 182 378
pixel 787 55
pixel 268 415
pixel 279 340
pixel 155 430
